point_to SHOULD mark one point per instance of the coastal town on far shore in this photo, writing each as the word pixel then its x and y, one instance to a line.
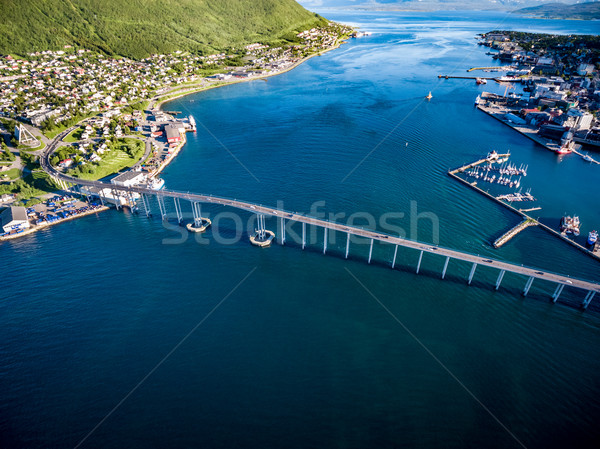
pixel 109 110
pixel 560 98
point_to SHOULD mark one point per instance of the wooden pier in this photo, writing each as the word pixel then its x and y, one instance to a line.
pixel 514 231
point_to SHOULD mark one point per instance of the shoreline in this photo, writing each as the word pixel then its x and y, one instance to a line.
pixel 160 103
pixel 36 228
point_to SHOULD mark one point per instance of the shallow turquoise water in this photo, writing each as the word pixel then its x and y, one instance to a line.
pixel 301 354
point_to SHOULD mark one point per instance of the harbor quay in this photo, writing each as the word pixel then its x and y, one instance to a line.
pixel 527 220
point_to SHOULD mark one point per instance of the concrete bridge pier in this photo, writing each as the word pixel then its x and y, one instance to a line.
pixel 146 207
pixel 394 259
pixel 557 292
pixel 472 273
pixel 445 267
pixel 196 212
pixel 347 244
pixel 499 280
pixel 588 299
pixel 178 209
pixel 117 198
pixel 303 235
pixel 325 240
pixel 282 223
pixel 370 251
pixel 528 286
pixel 419 263
pixel 162 207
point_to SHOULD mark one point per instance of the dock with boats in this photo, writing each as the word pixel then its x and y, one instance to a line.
pixel 593 251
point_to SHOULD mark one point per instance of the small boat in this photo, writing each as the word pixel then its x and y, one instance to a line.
pixel 156 183
pixel 429 96
pixel 477 100
pixel 592 237
pixel 480 81
pixel 588 158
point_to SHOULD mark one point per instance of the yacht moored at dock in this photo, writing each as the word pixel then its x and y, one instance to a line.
pixel 592 238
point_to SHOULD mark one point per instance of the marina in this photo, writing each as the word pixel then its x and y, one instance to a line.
pixel 593 251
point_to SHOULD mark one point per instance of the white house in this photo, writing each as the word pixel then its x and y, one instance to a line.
pixel 14 219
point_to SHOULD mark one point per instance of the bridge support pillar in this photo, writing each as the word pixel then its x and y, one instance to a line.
pixel 499 280
pixel 370 251
pixel 325 241
pixel 303 235
pixel 196 212
pixel 419 263
pixel 146 208
pixel 557 292
pixel 472 273
pixel 178 209
pixel 394 259
pixel 162 207
pixel 588 299
pixel 445 267
pixel 528 285
pixel 347 244
pixel 116 197
pixel 282 230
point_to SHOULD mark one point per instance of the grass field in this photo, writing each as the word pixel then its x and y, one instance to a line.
pixel 10 175
pixel 113 162
pixel 74 136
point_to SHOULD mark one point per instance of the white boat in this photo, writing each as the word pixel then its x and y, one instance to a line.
pixel 592 237
pixel 477 100
pixel 156 183
pixel 429 96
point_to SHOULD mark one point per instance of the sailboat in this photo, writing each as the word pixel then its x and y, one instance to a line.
pixel 429 97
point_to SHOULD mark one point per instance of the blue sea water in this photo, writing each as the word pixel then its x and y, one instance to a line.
pixel 117 334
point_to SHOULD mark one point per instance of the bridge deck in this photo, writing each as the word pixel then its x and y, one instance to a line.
pixel 532 273
pixel 340 227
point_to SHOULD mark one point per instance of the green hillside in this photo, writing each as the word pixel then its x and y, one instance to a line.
pixel 583 11
pixel 137 28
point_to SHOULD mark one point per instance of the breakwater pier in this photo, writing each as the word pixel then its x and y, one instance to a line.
pixel 513 232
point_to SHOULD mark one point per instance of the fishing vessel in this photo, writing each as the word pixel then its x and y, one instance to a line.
pixel 569 225
pixel 481 81
pixel 566 148
pixel 592 237
pixel 156 183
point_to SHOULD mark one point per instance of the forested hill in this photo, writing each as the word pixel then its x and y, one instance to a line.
pixel 137 28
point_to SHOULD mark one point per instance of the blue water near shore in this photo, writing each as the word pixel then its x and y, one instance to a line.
pixel 301 354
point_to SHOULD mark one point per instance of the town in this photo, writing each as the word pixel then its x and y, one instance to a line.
pixel 560 98
pixel 109 110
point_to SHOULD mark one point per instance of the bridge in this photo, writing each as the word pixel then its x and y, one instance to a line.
pixel 287 218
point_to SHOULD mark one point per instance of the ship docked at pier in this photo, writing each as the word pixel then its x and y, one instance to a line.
pixel 569 225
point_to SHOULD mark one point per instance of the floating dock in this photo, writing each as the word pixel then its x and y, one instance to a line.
pixel 514 231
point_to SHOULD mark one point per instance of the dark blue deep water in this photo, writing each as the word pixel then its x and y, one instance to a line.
pixel 119 332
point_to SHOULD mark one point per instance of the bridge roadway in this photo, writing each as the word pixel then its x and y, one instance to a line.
pixel 476 260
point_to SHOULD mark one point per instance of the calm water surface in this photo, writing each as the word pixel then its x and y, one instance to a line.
pixel 301 354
